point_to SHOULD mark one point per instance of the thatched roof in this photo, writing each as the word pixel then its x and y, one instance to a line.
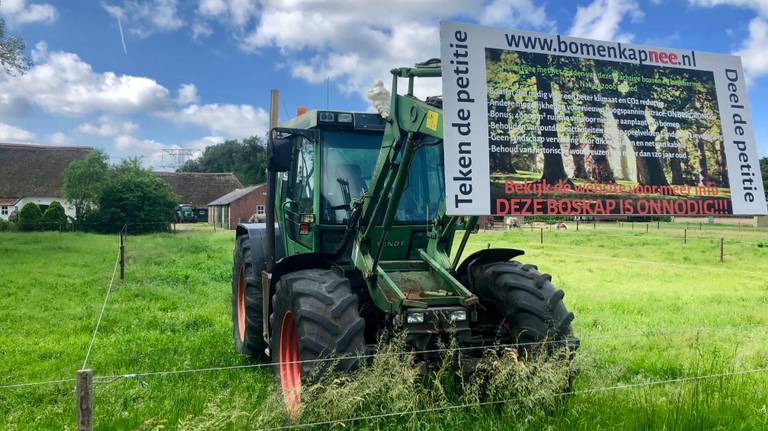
pixel 35 170
pixel 199 188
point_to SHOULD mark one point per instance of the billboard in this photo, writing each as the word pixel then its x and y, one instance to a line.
pixel 546 124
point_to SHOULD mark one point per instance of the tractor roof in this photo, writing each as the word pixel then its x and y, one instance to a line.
pixel 336 119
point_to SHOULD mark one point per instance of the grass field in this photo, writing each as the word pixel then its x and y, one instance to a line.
pixel 636 295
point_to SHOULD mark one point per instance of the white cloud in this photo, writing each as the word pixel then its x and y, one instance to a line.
pixel 238 12
pixel 187 94
pixel 19 12
pixel 130 144
pixel 232 121
pixel 201 29
pixel 58 139
pixel 108 126
pixel 602 19
pixel 146 18
pixel 753 50
pixel 513 13
pixel 198 146
pixel 355 44
pixel 62 83
pixel 761 6
pixel 15 135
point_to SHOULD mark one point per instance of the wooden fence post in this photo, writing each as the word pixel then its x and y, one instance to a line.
pixel 84 399
pixel 721 250
pixel 685 236
pixel 577 225
pixel 542 235
pixel 122 255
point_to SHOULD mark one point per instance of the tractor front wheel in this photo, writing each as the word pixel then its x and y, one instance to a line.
pixel 315 316
pixel 247 301
pixel 523 306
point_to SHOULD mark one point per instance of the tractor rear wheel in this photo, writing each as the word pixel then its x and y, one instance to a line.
pixel 315 316
pixel 526 305
pixel 247 302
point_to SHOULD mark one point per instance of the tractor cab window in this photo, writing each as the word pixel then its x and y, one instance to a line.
pixel 425 187
pixel 301 192
pixel 349 160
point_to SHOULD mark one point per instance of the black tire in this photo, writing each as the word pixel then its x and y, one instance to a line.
pixel 525 303
pixel 325 317
pixel 247 299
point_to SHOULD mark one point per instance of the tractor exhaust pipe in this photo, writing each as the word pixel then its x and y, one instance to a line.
pixel 274 100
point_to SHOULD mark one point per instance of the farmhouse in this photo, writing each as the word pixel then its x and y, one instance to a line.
pixel 240 205
pixel 199 188
pixel 34 173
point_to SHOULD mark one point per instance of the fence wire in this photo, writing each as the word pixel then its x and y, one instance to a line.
pixel 103 306
pixel 650 262
pixel 504 401
pixel 114 377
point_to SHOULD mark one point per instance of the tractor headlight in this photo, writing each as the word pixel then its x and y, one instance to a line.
pixel 415 318
pixel 326 117
pixel 458 315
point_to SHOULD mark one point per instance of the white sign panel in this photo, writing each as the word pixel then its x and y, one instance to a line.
pixel 547 124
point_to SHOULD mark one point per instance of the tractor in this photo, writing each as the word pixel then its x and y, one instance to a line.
pixel 363 247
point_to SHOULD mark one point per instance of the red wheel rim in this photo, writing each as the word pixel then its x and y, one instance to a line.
pixel 290 369
pixel 241 304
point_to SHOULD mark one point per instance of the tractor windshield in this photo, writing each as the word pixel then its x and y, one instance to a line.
pixel 348 161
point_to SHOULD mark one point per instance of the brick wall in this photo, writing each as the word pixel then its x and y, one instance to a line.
pixel 243 208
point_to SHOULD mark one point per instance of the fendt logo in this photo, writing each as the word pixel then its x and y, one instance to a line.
pixel 399 243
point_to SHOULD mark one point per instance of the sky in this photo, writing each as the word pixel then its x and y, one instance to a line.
pixel 133 77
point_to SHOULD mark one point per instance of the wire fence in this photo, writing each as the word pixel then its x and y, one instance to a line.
pixel 118 259
pixel 109 378
pixel 415 352
pixel 673 231
pixel 679 380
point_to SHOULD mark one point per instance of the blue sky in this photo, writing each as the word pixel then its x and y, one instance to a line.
pixel 195 72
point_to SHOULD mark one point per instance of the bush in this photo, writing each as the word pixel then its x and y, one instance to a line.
pixel 54 217
pixel 6 226
pixel 30 217
pixel 135 197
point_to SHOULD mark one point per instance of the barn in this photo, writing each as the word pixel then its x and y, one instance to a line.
pixel 246 204
pixel 35 173
pixel 200 188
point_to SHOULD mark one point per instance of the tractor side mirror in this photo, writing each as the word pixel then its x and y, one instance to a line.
pixel 279 155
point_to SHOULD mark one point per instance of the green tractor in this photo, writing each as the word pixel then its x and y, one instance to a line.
pixel 363 248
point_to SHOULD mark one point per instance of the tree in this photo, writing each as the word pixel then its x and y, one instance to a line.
pixel 12 58
pixel 764 169
pixel 54 217
pixel 553 157
pixel 246 159
pixel 134 196
pixel 30 217
pixel 83 181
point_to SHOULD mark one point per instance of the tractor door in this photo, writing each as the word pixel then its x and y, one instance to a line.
pixel 300 195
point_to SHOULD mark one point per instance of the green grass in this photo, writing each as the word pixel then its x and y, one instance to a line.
pixel 173 313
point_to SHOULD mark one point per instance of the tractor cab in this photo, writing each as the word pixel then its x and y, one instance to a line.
pixel 332 162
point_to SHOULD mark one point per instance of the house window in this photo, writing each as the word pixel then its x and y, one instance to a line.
pixel 259 209
pixel 4 210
